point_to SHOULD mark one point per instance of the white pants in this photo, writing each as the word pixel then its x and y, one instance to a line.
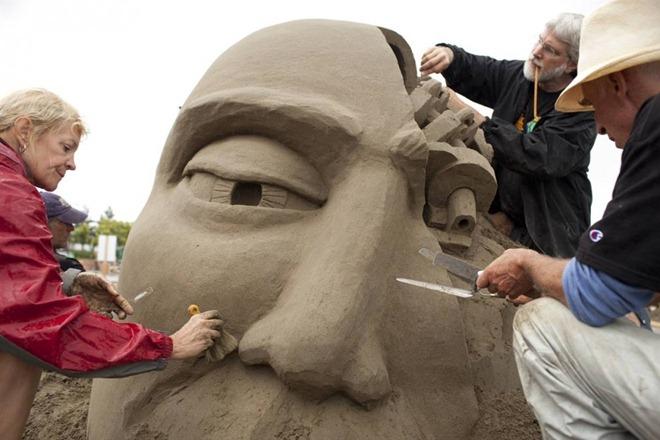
pixel 587 382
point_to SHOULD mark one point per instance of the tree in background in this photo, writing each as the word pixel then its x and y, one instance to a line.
pixel 83 235
pixel 107 225
pixel 86 234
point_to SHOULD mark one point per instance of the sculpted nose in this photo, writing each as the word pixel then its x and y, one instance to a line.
pixel 321 337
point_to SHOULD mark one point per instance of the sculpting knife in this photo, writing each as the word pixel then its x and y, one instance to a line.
pixel 458 267
pixel 461 293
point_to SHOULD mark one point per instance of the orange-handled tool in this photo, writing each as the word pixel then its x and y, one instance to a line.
pixel 193 309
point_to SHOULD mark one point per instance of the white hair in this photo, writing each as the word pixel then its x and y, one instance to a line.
pixel 566 27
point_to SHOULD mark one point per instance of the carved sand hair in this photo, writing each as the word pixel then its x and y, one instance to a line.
pixel 44 109
pixel 459 178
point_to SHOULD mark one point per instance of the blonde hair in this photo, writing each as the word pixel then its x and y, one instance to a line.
pixel 44 109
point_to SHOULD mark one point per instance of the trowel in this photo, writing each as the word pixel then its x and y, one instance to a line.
pixel 458 267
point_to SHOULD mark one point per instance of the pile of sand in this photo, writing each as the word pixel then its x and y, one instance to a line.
pixel 60 413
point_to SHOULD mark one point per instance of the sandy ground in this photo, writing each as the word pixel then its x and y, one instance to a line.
pixel 60 413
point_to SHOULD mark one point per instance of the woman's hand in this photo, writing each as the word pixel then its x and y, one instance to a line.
pixel 196 335
pixel 100 295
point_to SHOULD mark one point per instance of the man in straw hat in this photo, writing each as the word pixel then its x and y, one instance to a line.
pixel 541 158
pixel 586 372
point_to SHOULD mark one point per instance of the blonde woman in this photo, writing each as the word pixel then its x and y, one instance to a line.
pixel 40 326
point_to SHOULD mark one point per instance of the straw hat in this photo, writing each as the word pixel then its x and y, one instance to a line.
pixel 618 35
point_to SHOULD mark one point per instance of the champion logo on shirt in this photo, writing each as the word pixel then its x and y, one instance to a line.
pixel 595 235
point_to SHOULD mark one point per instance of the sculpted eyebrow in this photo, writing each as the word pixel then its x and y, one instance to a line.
pixel 257 159
pixel 315 127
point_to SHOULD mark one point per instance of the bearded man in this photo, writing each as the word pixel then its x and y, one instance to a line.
pixel 541 155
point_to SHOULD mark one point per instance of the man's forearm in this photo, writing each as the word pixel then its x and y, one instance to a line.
pixel 546 274
pixel 524 272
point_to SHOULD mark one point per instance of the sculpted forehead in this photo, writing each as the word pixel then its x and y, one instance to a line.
pixel 309 84
pixel 332 59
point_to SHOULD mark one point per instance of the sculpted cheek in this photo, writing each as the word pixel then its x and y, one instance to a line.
pixel 242 276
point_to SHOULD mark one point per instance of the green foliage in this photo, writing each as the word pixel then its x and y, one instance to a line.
pixel 108 213
pixel 109 226
pixel 84 254
pixel 86 234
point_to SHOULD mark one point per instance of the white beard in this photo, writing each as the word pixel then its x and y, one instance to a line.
pixel 548 75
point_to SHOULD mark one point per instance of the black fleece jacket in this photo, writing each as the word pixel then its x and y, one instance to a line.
pixel 542 175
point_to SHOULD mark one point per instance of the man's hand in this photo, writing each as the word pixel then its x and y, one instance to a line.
pixel 456 103
pixel 508 277
pixel 436 60
pixel 519 300
pixel 502 223
pixel 100 296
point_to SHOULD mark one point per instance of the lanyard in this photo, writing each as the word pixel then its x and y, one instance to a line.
pixel 529 127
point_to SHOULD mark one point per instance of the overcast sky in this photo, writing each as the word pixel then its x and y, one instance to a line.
pixel 128 66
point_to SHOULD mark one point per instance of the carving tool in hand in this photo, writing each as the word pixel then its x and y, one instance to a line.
pixel 458 267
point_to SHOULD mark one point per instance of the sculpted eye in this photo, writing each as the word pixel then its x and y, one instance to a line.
pixel 244 193
pixel 215 189
pixel 249 194
pixel 254 171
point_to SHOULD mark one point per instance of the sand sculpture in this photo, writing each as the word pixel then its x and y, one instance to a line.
pixel 302 175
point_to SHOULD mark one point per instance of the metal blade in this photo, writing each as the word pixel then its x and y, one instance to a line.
pixel 140 296
pixel 458 267
pixel 462 293
pixel 428 253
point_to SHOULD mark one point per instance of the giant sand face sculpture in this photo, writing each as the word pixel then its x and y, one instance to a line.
pixel 290 194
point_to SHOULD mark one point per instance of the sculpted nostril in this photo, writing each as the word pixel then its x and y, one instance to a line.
pixel 357 369
pixel 366 379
